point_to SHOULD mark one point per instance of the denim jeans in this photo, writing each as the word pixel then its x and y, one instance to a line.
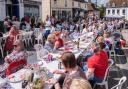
pixel 94 78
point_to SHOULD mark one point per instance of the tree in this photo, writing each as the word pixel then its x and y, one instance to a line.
pixel 102 11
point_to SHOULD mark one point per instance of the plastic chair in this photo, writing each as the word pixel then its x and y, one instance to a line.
pixel 1 48
pixel 41 52
pixel 105 82
pixel 29 39
pixel 14 66
pixel 2 45
pixel 121 82
pixel 36 33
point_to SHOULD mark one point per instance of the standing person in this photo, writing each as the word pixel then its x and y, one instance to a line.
pixel 11 38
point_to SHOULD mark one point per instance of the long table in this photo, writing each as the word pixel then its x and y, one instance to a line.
pixel 51 66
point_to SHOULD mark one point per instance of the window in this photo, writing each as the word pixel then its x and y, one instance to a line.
pixel 108 4
pixel 55 1
pixel 113 12
pixel 73 4
pixel 108 11
pixel 65 3
pixel 123 11
pixel 79 5
pixel 118 11
pixel 85 5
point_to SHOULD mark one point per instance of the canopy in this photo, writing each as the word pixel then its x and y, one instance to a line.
pixel 114 16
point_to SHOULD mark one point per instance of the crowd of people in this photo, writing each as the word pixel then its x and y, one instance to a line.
pixel 57 33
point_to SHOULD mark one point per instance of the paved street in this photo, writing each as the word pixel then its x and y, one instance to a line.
pixel 118 70
pixel 121 68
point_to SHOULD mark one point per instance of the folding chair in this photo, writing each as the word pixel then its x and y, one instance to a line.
pixel 105 81
pixel 121 82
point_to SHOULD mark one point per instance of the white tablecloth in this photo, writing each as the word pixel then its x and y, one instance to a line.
pixel 54 64
pixel 51 66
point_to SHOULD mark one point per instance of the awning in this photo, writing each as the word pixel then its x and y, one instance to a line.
pixel 114 16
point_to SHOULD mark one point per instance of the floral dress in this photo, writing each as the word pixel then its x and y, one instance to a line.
pixel 15 55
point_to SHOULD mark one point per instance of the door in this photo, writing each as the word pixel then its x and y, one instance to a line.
pixel 9 10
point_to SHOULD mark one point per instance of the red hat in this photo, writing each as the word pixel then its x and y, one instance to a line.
pixel 57 33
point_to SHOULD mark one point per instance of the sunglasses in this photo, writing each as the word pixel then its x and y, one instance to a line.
pixel 15 45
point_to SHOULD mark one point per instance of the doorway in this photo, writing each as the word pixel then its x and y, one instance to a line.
pixel 12 8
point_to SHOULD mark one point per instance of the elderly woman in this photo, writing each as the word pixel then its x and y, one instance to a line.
pixel 49 45
pixel 11 38
pixel 18 53
pixel 72 71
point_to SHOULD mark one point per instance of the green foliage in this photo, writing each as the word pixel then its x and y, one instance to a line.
pixel 102 11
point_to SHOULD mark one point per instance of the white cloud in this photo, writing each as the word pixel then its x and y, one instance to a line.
pixel 100 1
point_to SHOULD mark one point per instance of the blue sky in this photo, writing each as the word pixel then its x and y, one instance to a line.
pixel 99 2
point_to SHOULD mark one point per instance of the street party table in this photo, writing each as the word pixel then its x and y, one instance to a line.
pixel 85 41
pixel 84 44
pixel 17 84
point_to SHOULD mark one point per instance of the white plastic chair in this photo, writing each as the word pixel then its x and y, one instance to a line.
pixel 1 48
pixel 121 82
pixel 29 38
pixel 105 81
pixel 37 35
pixel 2 45
pixel 41 52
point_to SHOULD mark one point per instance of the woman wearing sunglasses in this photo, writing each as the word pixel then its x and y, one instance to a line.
pixel 18 53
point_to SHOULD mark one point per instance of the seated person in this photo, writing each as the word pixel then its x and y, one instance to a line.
pixel 49 45
pixel 100 39
pixel 97 64
pixel 108 39
pixel 18 53
pixel 123 42
pixel 58 41
pixel 65 35
pixel 80 84
pixel 72 71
